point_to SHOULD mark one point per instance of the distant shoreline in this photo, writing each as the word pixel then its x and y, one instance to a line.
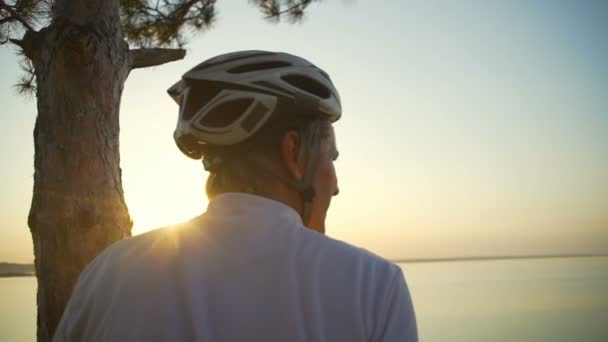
pixel 16 275
pixel 13 270
pixel 505 257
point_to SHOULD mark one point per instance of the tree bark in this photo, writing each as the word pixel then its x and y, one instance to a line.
pixel 78 208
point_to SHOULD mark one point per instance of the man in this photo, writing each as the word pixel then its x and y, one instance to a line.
pixel 256 266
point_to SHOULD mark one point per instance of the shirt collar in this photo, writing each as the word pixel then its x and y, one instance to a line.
pixel 237 203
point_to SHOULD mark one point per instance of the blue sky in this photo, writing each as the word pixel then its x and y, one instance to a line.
pixel 469 127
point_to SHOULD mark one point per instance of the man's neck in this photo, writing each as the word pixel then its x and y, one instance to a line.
pixel 292 198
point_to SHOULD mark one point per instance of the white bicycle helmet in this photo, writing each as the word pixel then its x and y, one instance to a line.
pixel 227 99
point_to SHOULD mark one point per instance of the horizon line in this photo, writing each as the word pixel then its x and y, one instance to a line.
pixel 496 257
pixel 458 258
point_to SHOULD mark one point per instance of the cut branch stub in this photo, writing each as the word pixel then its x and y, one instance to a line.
pixel 143 58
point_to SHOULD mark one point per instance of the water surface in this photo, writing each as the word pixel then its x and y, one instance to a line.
pixel 522 300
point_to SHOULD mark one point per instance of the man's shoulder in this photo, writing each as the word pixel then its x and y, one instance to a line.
pixel 142 251
pixel 337 253
pixel 337 262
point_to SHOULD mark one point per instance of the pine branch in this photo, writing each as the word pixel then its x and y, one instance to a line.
pixel 6 20
pixel 15 15
pixel 143 58
pixel 17 42
pixel 27 81
pixel 273 9
pixel 291 9
pixel 161 23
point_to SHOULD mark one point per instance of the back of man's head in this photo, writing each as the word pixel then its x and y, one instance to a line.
pixel 236 110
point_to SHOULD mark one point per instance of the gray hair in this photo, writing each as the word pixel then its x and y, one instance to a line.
pixel 242 170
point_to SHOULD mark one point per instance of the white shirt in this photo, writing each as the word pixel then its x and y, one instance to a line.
pixel 246 270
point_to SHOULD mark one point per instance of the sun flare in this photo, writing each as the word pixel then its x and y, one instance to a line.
pixel 164 205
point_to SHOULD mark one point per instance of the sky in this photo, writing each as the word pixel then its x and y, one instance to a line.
pixel 470 128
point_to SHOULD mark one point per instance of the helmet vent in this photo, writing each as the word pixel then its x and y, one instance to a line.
pixel 228 59
pixel 325 74
pixel 199 96
pixel 257 113
pixel 258 66
pixel 274 87
pixel 226 113
pixel 307 84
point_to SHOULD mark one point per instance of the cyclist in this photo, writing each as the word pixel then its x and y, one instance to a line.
pixel 256 265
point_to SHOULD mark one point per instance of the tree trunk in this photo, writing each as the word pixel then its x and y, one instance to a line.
pixel 78 208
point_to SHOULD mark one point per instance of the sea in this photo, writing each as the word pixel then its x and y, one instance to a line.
pixel 514 300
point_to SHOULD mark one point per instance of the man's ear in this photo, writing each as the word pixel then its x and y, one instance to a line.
pixel 290 147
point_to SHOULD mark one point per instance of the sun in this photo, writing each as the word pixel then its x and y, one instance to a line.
pixel 164 204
